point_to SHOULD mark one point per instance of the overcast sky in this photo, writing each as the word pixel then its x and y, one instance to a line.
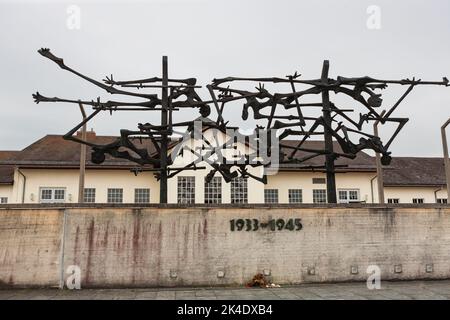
pixel 217 38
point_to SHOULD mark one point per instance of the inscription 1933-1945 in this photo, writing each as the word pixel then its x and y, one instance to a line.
pixel 272 225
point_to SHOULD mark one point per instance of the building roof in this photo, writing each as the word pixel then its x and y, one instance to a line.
pixel 53 151
pixel 8 154
pixel 414 171
pixel 6 175
pixel 7 171
pixel 362 162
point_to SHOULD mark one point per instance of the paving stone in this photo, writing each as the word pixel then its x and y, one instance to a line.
pixel 165 295
pixel 429 290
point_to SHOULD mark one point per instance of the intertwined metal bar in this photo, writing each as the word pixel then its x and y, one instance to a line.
pixel 284 112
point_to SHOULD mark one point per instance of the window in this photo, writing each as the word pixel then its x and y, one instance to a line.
pixel 271 195
pixel 441 200
pixel 348 196
pixel 417 200
pixel 89 195
pixel 186 190
pixel 213 190
pixel 318 180
pixel 239 192
pixel 115 195
pixel 3 200
pixel 52 195
pixel 319 196
pixel 393 200
pixel 295 196
pixel 141 195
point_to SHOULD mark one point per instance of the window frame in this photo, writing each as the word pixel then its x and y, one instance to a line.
pixel 271 196
pixel 213 191
pixel 347 192
pixel 87 195
pixel 418 200
pixel 3 200
pixel 108 195
pixel 319 180
pixel 393 200
pixel 239 193
pixel 299 195
pixel 323 192
pixel 52 198
pixel 186 189
pixel 141 194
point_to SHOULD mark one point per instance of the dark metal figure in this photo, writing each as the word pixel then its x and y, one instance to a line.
pixel 177 94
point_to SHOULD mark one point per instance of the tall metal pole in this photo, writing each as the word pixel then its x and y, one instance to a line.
pixel 82 158
pixel 329 157
pixel 446 160
pixel 164 143
pixel 380 179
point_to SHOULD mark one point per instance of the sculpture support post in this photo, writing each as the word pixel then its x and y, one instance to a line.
pixel 380 180
pixel 329 157
pixel 446 160
pixel 82 158
pixel 164 107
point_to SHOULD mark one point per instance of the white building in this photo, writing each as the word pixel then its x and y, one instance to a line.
pixel 48 171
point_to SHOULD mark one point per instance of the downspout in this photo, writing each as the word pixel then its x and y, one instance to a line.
pixel 24 184
pixel 371 187
pixel 435 193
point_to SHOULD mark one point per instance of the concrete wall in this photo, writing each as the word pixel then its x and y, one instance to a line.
pixel 30 247
pixel 172 246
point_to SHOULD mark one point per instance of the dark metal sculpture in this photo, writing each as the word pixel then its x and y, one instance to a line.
pixel 284 112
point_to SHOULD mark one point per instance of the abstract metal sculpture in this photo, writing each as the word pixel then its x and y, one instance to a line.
pixel 285 113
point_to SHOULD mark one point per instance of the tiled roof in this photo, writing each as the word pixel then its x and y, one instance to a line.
pixel 6 175
pixel 414 171
pixel 7 171
pixel 362 162
pixel 54 151
pixel 9 154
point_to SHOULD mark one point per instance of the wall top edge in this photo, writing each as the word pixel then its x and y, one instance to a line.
pixel 223 206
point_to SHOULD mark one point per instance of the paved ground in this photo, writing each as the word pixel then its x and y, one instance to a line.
pixel 389 290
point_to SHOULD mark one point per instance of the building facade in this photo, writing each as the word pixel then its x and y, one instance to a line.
pixel 47 171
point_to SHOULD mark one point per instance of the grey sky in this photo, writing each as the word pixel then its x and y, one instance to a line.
pixel 217 38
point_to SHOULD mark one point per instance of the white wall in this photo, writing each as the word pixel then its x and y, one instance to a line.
pixel 101 180
pixel 406 194
pixel 6 191
pixel 283 181
pixel 255 188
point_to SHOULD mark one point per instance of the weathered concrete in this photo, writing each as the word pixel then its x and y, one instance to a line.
pixel 30 243
pixel 171 246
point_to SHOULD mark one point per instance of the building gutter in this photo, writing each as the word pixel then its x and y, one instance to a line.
pixel 24 184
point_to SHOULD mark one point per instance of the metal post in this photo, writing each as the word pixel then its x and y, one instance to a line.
pixel 380 180
pixel 164 106
pixel 329 157
pixel 446 160
pixel 82 158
